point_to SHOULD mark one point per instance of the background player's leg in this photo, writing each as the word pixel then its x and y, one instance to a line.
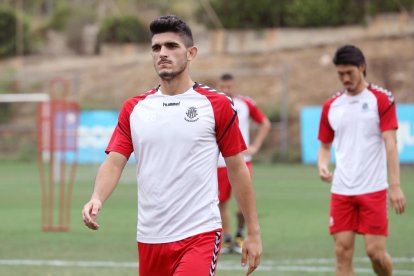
pixel 224 194
pixel 240 223
pixel 343 225
pixel 226 247
pixel 238 240
pixel 375 246
pixel 344 250
pixel 373 216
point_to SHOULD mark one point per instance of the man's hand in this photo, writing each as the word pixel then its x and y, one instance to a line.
pixel 325 174
pixel 252 150
pixel 397 199
pixel 324 157
pixel 90 212
pixel 252 251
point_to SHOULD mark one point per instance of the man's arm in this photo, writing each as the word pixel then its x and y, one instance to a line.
pixel 324 158
pixel 106 180
pixel 242 186
pixel 264 128
pixel 397 198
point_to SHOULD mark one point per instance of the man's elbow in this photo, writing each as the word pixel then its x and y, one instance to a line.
pixel 266 124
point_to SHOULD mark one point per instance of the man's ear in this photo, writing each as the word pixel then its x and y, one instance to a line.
pixel 192 53
pixel 362 67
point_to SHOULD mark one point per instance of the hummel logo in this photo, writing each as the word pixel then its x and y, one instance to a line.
pixel 171 104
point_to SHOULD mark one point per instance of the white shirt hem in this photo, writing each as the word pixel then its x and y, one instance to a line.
pixel 156 240
pixel 352 192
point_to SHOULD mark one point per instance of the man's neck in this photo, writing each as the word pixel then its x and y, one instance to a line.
pixel 178 85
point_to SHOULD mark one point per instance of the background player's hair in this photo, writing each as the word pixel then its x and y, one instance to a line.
pixel 349 55
pixel 171 23
pixel 226 77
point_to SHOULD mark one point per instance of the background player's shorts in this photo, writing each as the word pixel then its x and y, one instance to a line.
pixel 224 187
pixel 196 255
pixel 363 214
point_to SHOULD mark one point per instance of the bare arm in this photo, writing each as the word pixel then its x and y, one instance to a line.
pixel 324 158
pixel 242 186
pixel 264 129
pixel 397 198
pixel 106 180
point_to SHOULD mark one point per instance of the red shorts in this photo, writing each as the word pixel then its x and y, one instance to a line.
pixel 224 187
pixel 196 255
pixel 363 214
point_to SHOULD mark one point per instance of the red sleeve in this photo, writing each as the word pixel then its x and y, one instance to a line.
pixel 254 111
pixel 326 133
pixel 121 141
pixel 386 111
pixel 228 135
pixel 229 138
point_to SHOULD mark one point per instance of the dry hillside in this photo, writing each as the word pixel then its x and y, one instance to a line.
pixel 104 82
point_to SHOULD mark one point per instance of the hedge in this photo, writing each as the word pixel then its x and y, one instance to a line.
pixel 123 30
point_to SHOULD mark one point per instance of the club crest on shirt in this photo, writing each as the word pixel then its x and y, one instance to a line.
pixel 365 107
pixel 191 114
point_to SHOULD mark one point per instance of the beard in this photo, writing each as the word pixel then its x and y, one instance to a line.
pixel 351 88
pixel 167 76
pixel 355 88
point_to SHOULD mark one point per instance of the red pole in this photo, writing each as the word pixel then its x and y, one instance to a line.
pixel 62 150
pixel 76 109
pixel 40 149
pixel 52 165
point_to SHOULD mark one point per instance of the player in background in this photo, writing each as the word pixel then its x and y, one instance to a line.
pixel 176 132
pixel 246 110
pixel 361 122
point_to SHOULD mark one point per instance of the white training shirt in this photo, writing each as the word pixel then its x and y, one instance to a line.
pixel 176 142
pixel 355 125
pixel 246 109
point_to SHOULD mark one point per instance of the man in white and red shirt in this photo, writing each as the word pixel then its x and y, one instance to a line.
pixel 361 122
pixel 246 110
pixel 176 132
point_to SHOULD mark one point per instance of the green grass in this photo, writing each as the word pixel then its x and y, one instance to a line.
pixel 293 212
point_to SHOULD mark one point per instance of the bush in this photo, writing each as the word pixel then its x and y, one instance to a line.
pixel 74 31
pixel 123 29
pixel 71 20
pixel 295 13
pixel 242 14
pixel 60 18
pixel 318 13
pixel 8 84
pixel 8 24
pixel 390 6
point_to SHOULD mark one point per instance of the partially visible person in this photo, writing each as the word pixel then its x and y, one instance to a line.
pixel 361 122
pixel 247 110
pixel 176 132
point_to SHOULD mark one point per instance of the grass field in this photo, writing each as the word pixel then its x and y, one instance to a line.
pixel 293 211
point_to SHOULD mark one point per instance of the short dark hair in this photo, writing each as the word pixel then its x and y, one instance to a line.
pixel 226 77
pixel 349 55
pixel 171 23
